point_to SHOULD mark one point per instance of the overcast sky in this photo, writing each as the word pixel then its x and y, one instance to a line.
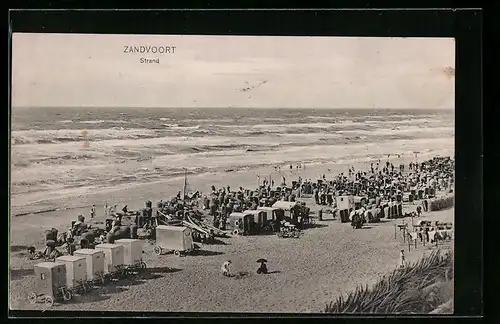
pixel 210 71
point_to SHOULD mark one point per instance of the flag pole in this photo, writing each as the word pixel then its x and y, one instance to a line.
pixel 185 184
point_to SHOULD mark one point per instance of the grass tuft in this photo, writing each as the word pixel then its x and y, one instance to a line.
pixel 418 288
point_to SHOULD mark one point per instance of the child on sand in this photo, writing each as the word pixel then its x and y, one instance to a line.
pixel 225 268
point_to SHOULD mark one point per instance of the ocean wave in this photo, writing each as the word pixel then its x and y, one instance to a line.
pixel 63 158
pixel 179 130
pixel 106 174
pixel 203 132
pixel 109 121
pixel 77 135
pixel 181 127
pixel 399 131
pixel 92 121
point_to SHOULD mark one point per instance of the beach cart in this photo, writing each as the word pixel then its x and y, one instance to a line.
pixel 260 217
pixel 95 265
pixel 177 239
pixel 132 255
pixel 114 267
pixel 273 216
pixel 76 273
pixel 290 209
pixel 241 223
pixel 50 284
pixel 273 213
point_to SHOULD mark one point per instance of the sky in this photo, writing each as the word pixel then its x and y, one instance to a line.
pixel 77 70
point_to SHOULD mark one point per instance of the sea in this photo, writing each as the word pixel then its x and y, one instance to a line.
pixel 55 149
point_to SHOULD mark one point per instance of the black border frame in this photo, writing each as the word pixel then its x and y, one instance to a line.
pixel 464 25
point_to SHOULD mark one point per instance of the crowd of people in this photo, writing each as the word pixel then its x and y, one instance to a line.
pixel 377 184
pixel 386 184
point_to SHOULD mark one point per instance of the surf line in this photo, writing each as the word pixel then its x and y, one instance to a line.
pixel 43 211
pixel 38 212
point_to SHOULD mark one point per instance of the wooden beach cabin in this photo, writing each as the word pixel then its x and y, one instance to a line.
pixel 241 223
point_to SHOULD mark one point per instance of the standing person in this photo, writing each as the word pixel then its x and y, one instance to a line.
pixel 92 212
pixel 402 259
pixel 316 195
pixel 225 268
pixel 106 208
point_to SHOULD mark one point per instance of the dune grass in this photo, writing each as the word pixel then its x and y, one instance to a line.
pixel 418 288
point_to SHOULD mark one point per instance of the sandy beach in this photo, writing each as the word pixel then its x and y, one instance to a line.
pixel 311 271
pixel 25 231
pixel 326 261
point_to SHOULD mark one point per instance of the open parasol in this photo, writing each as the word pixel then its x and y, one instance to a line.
pixel 261 261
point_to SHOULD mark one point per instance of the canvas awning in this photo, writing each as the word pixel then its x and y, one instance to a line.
pixel 285 205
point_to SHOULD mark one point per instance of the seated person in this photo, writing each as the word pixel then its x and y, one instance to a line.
pixel 262 268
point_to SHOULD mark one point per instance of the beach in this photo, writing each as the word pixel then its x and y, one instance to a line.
pixel 326 261
pixel 311 271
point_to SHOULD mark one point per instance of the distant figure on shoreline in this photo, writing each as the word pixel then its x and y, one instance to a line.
pixel 92 212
